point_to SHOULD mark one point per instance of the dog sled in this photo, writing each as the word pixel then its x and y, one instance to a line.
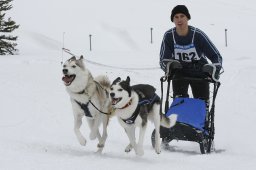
pixel 194 122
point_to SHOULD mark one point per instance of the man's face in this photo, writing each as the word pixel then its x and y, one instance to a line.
pixel 180 20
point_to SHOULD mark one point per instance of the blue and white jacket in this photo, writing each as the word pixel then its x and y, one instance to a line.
pixel 204 48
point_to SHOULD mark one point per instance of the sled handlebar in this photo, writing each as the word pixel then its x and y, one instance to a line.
pixel 207 79
pixel 211 72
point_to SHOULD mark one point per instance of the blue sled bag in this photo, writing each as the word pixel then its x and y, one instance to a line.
pixel 190 111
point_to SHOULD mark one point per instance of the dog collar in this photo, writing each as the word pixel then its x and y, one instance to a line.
pixel 81 92
pixel 128 104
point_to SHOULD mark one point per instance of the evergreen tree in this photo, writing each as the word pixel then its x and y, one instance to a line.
pixel 7 41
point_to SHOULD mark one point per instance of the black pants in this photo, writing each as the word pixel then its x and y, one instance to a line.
pixel 200 89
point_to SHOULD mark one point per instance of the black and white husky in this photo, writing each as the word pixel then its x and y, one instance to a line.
pixel 134 105
pixel 89 98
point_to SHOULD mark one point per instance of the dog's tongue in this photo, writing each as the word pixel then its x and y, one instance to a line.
pixel 67 79
pixel 114 101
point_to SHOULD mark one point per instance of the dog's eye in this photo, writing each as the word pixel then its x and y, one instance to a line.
pixel 73 66
pixel 111 88
pixel 120 89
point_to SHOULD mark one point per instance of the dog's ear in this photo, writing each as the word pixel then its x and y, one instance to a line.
pixel 128 80
pixel 127 85
pixel 118 79
pixel 80 63
pixel 72 58
pixel 81 57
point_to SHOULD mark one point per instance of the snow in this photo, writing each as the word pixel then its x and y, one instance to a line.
pixel 36 121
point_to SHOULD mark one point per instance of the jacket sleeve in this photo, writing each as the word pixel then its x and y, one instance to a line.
pixel 166 51
pixel 210 51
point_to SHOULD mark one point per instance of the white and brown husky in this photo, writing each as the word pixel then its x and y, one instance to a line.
pixel 89 98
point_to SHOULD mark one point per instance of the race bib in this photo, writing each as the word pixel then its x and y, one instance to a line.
pixel 186 53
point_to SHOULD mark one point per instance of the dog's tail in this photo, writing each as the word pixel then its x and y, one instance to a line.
pixel 103 80
pixel 103 87
pixel 168 122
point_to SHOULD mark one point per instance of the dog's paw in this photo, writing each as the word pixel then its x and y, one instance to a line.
pixel 100 149
pixel 93 136
pixel 82 141
pixel 158 150
pixel 128 148
pixel 100 145
pixel 139 151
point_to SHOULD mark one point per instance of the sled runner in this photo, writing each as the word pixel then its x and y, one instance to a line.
pixel 194 122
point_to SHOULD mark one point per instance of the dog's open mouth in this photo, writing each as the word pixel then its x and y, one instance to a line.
pixel 116 100
pixel 68 79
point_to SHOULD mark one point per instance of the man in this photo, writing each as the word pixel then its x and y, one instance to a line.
pixel 192 48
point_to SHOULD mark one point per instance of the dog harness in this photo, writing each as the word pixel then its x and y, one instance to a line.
pixel 142 102
pixel 85 108
pixel 87 112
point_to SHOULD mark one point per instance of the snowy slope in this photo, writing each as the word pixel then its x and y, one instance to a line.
pixel 36 121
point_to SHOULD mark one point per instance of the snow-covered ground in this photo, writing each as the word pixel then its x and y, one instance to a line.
pixel 36 121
